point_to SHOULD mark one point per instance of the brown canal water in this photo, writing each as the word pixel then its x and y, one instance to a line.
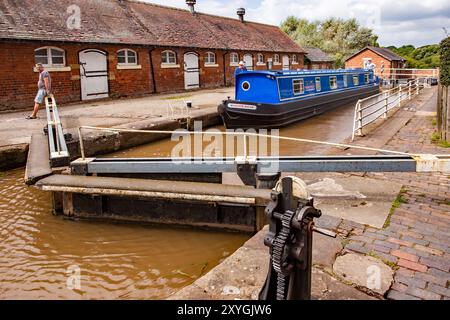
pixel 333 126
pixel 39 251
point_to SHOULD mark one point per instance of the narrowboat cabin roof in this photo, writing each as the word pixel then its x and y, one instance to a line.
pixel 275 87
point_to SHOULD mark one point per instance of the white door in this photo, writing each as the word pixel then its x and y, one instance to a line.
pixel 93 74
pixel 191 71
pixel 285 62
pixel 248 59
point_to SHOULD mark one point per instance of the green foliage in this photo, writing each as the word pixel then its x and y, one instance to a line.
pixel 445 62
pixel 423 58
pixel 436 139
pixel 337 37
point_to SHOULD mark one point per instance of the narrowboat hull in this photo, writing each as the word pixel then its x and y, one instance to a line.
pixel 245 115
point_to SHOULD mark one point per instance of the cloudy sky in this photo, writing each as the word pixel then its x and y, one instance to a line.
pixel 397 22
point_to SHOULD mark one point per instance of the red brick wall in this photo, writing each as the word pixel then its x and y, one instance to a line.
pixel 320 65
pixel 18 81
pixel 357 62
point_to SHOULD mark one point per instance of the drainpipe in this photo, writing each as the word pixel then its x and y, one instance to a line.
pixel 152 69
pixel 224 70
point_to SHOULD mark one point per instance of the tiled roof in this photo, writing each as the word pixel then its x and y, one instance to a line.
pixel 133 22
pixel 317 55
pixel 384 52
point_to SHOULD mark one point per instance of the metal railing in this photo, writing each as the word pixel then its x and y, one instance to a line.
pixel 177 109
pixel 404 73
pixel 57 143
pixel 372 108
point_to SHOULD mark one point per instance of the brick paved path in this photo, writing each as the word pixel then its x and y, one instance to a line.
pixel 416 238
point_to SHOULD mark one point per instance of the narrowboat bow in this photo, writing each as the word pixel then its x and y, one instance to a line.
pixel 273 99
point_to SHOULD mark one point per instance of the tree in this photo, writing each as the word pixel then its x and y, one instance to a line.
pixel 335 36
pixel 422 57
pixel 442 105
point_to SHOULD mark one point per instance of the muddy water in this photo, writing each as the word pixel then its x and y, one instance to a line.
pixel 38 252
pixel 333 126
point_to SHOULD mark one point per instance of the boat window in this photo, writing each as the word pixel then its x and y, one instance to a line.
pixel 366 78
pixel 345 81
pixel 318 85
pixel 333 83
pixel 355 80
pixel 298 86
pixel 245 85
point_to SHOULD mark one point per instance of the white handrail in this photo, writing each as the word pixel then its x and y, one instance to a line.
pixel 369 109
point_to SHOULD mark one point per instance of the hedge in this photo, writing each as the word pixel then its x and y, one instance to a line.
pixel 445 62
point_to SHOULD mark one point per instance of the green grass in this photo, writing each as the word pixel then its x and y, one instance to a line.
pixel 395 205
pixel 391 264
pixel 436 139
pixel 180 97
pixel 434 122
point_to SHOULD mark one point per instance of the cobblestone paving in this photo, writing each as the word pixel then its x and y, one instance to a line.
pixel 416 238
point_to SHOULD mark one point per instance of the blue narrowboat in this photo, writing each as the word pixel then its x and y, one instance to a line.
pixel 273 99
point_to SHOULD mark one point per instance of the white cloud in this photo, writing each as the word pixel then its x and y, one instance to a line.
pixel 417 22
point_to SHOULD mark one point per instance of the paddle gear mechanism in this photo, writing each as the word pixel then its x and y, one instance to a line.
pixel 291 216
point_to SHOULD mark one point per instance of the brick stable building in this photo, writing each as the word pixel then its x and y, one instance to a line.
pixel 383 58
pixel 116 48
pixel 317 59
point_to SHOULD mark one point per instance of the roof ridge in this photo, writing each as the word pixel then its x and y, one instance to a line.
pixel 199 12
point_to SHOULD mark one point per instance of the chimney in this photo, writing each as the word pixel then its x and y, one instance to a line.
pixel 191 4
pixel 241 14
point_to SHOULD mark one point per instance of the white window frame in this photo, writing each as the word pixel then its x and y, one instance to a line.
pixel 276 59
pixel 294 59
pixel 335 86
pixel 260 62
pixel 355 83
pixel 168 63
pixel 127 63
pixel 234 63
pixel 208 62
pixel 345 80
pixel 318 81
pixel 301 82
pixel 50 63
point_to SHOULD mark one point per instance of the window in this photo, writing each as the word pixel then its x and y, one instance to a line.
pixel 333 83
pixel 294 59
pixel 168 57
pixel 246 86
pixel 298 86
pixel 210 58
pixel 345 81
pixel 318 85
pixel 126 57
pixel 234 58
pixel 260 58
pixel 50 57
pixel 366 78
pixel 276 58
pixel 355 80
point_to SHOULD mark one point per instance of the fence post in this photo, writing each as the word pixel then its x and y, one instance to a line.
pixel 417 87
pixel 385 105
pixel 409 90
pixel 399 95
pixel 360 123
